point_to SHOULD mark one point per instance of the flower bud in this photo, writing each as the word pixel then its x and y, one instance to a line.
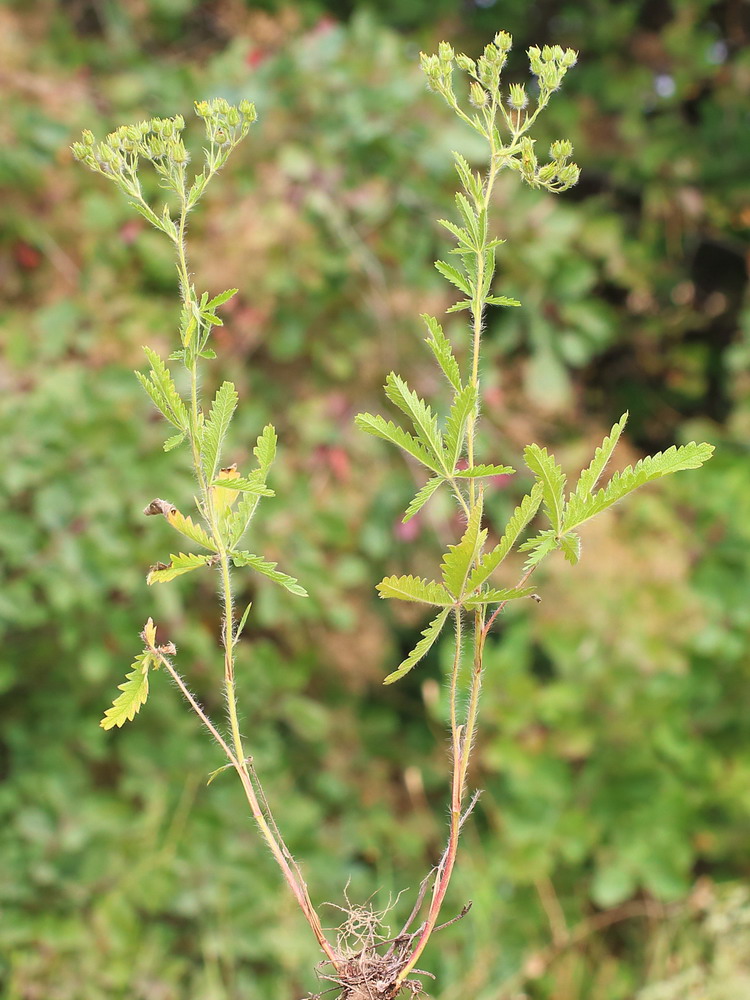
pixel 478 95
pixel 561 149
pixel 87 138
pixel 445 52
pixel 504 41
pixel 570 58
pixel 465 63
pixel 518 98
pixel 247 110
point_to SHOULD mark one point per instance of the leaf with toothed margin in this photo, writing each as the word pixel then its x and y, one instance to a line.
pixel 422 648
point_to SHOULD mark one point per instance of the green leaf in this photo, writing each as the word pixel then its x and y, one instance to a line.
pixel 552 480
pixel 178 565
pixel 463 236
pixel 221 298
pixel 454 276
pixel 464 406
pixel 208 353
pixel 215 428
pixel 265 448
pixel 246 484
pixel 386 429
pixel 240 518
pixel 429 636
pixel 412 588
pixel 689 456
pixel 424 420
pixel 471 182
pixel 470 218
pixel 540 546
pixel 161 379
pixel 174 442
pixel 134 690
pixel 590 476
pixel 459 559
pixel 520 518
pixel 240 628
pixel 441 348
pixel 268 568
pixel 483 471
pixel 571 547
pixel 214 774
pixel 495 596
pixel 460 306
pixel 187 527
pixel 501 300
pixel 421 498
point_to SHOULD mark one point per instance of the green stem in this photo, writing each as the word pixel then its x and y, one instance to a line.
pixel 236 753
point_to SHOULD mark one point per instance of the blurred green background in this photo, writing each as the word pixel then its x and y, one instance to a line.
pixel 610 852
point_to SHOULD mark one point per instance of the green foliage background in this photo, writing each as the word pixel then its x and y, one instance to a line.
pixel 615 754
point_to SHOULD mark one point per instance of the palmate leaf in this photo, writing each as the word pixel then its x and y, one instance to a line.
pixel 689 456
pixel 265 448
pixel 178 565
pixel 464 405
pixel 424 420
pixel 484 471
pixel 459 559
pixel 441 348
pixel 520 518
pixel 134 690
pixel 551 478
pixel 386 429
pixel 421 498
pixel 268 568
pixel 590 476
pixel 412 588
pixel 216 426
pixel 425 644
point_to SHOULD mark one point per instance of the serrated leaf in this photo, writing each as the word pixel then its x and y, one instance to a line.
pixel 453 275
pixel 245 484
pixel 552 480
pixel 470 218
pixel 540 546
pixel 208 353
pixel 187 527
pixel 459 559
pixel 174 442
pixel 184 562
pixel 161 379
pixel 460 306
pixel 386 429
pixel 429 637
pixel 413 588
pixel 134 690
pixel 421 498
pixel 590 476
pixel 518 521
pixel 268 568
pixel 484 471
pixel 240 518
pixel 221 298
pixel 441 348
pixel 689 456
pixel 424 420
pixel 496 596
pixel 471 182
pixel 464 405
pixel 265 448
pixel 501 300
pixel 212 319
pixel 571 547
pixel 463 236
pixel 216 426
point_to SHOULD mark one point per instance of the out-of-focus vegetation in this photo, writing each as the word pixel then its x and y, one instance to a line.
pixel 615 748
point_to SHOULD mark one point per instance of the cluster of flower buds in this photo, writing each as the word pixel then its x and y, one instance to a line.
pixel 226 124
pixel 557 175
pixel 550 65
